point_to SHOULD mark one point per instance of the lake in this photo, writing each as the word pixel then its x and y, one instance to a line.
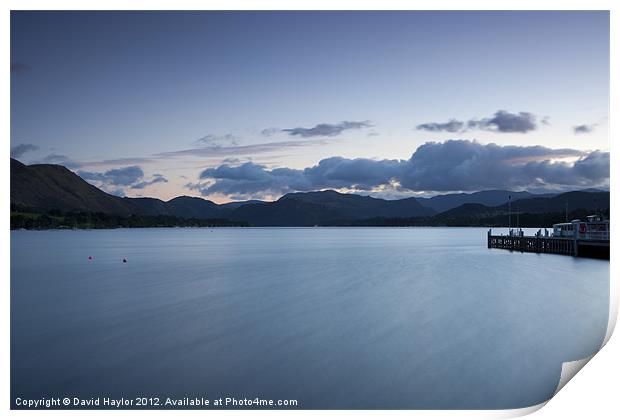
pixel 349 318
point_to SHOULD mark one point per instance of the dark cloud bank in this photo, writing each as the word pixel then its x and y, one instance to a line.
pixel 453 165
pixel 500 122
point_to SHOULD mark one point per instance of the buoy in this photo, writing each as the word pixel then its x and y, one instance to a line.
pixel 124 260
pixel 90 258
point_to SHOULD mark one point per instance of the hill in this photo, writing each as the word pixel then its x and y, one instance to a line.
pixel 325 207
pixel 573 200
pixel 194 207
pixel 532 212
pixel 444 202
pixel 43 188
pixel 50 189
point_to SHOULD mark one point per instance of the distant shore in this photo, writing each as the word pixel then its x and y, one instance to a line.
pixel 31 220
pixel 36 220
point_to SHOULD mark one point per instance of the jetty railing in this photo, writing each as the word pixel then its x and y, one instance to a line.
pixel 539 244
pixel 591 245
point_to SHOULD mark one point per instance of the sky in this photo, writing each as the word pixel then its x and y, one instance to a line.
pixel 253 105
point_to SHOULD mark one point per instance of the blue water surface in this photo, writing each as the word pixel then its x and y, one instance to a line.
pixel 351 318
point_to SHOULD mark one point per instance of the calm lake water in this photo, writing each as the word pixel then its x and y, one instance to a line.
pixel 335 318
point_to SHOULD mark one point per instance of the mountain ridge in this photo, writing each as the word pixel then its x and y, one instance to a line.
pixel 46 187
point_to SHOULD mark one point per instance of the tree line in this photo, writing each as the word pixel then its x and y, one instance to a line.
pixel 525 220
pixel 57 219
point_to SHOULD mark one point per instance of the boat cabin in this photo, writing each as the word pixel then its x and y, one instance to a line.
pixel 594 228
pixel 564 229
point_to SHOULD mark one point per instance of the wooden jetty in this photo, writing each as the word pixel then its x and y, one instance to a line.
pixel 591 248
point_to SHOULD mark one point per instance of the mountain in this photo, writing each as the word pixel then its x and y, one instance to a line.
pixel 193 207
pixel 468 210
pixel 42 188
pixel 529 212
pixel 147 206
pixel 571 201
pixel 236 204
pixel 558 203
pixel 48 187
pixel 321 207
pixel 54 187
pixel 441 203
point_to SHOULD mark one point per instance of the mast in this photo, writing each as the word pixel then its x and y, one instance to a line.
pixel 508 213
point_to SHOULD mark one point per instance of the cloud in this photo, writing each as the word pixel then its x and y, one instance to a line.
pixel 64 160
pixel 157 178
pixel 231 160
pixel 583 128
pixel 219 141
pixel 451 126
pixel 208 150
pixel 453 165
pixel 243 150
pixel 21 149
pixel 327 130
pixel 119 177
pixel 120 161
pixel 506 122
pixel 56 159
pixel 115 181
pixel 270 131
pixel 461 165
pixel 19 67
pixel 249 178
pixel 500 122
